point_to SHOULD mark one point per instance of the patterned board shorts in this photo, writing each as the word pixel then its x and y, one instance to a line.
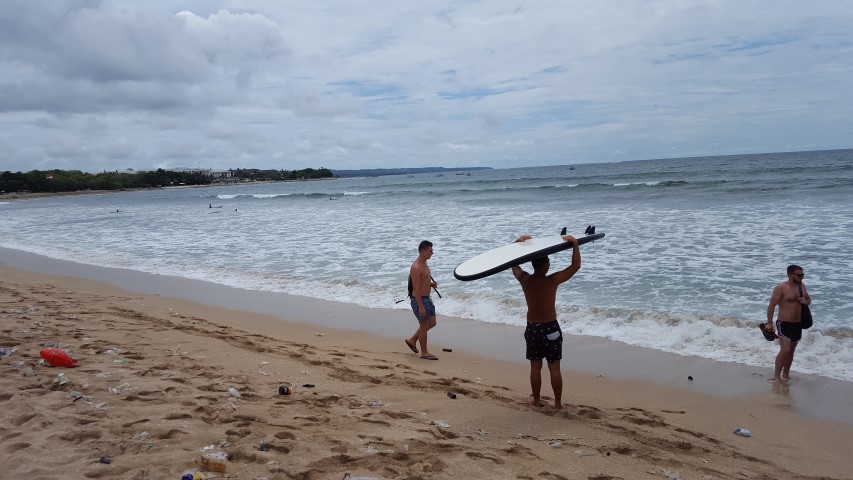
pixel 428 306
pixel 544 340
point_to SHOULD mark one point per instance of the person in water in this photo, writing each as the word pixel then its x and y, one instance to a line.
pixel 789 296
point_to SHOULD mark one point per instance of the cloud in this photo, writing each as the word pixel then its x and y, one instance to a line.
pixel 120 84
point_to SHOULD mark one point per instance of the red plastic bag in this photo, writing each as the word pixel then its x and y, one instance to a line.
pixel 57 358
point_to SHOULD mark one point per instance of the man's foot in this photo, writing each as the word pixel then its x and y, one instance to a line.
pixel 558 406
pixel 411 345
pixel 429 357
pixel 536 403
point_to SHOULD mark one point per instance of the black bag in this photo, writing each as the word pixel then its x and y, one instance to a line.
pixel 805 314
pixel 411 288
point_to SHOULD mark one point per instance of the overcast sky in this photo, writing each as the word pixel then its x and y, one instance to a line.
pixel 112 85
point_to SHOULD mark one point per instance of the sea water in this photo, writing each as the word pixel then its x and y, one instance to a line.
pixel 693 249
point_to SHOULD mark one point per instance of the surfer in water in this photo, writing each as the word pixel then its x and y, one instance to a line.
pixel 422 304
pixel 790 299
pixel 543 336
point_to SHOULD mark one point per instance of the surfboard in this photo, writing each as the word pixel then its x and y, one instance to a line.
pixel 501 258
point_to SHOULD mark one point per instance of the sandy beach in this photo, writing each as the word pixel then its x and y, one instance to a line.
pixel 165 381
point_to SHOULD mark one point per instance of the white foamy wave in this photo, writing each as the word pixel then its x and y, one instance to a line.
pixel 711 336
pixel 356 193
pixel 628 184
pixel 252 195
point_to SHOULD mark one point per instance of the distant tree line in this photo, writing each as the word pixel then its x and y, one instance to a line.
pixel 38 181
pixel 256 175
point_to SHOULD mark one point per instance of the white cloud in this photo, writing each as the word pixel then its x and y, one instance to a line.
pixel 115 84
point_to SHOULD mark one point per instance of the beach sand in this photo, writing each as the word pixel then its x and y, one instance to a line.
pixel 153 396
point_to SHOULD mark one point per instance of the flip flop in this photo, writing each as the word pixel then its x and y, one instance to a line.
pixel 430 357
pixel 411 346
pixel 769 335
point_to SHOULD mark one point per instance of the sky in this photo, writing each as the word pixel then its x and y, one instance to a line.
pixel 349 84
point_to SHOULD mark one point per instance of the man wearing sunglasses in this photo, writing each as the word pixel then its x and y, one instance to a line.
pixel 788 298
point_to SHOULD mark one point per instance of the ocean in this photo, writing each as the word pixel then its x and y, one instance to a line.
pixel 694 246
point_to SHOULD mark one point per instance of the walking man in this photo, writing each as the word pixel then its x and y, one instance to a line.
pixel 421 302
pixel 789 296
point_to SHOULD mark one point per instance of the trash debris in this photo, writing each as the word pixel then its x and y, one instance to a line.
pixel 234 393
pixel 308 385
pixel 57 358
pixel 451 394
pixel 119 388
pixel 690 377
pixel 106 460
pixel 447 349
pixel 285 390
pixel 215 462
pixel 375 403
pixel 742 432
pixel 62 379
pixel 439 424
pixel 347 476
pixel 264 446
pixel 7 352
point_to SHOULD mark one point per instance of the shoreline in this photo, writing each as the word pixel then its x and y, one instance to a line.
pixel 157 367
pixel 812 395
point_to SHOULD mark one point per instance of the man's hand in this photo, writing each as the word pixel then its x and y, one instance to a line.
pixel 523 238
pixel 570 239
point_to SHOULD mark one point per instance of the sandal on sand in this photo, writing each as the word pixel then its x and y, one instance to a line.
pixel 411 346
pixel 769 335
pixel 430 357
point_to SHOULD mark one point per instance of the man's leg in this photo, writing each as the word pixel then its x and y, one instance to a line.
pixel 536 381
pixel 556 383
pixel 786 369
pixel 421 335
pixel 785 352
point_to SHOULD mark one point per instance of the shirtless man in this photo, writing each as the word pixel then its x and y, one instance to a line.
pixel 787 296
pixel 543 335
pixel 421 302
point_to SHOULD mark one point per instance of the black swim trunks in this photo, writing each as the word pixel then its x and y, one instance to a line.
pixel 791 331
pixel 544 340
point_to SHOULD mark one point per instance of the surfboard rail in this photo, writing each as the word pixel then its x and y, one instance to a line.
pixel 502 258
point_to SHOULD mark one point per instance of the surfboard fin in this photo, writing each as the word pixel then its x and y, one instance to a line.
pixel 563 231
pixel 590 230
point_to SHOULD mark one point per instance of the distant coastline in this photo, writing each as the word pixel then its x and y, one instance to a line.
pixel 377 172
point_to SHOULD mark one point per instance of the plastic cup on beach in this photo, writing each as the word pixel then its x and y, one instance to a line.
pixel 215 462
pixel 742 432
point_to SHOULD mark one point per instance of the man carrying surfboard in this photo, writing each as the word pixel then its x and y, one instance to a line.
pixel 543 336
pixel 422 305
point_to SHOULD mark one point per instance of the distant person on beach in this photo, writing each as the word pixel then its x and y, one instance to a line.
pixel 787 297
pixel 543 335
pixel 422 304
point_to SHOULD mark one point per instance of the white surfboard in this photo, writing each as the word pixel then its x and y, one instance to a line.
pixel 501 258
